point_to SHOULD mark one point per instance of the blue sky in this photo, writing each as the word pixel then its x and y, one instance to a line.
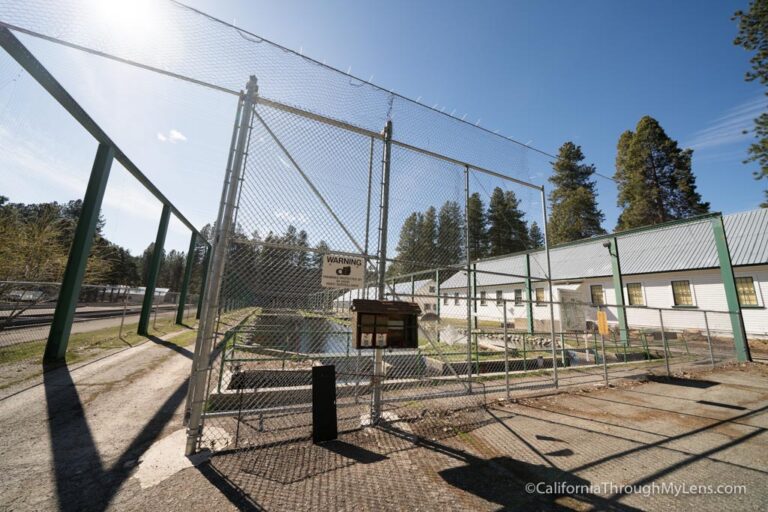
pixel 541 72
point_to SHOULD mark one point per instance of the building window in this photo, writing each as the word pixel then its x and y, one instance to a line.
pixel 518 297
pixel 540 297
pixel 499 298
pixel 456 299
pixel 596 292
pixel 482 298
pixel 745 287
pixel 431 289
pixel 445 299
pixel 427 307
pixel 681 293
pixel 635 294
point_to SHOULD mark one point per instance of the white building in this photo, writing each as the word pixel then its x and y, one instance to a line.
pixel 423 292
pixel 674 266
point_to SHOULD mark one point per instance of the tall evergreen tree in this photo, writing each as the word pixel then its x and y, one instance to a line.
pixel 450 234
pixel 536 236
pixel 316 260
pixel 507 227
pixel 426 251
pixel 574 214
pixel 478 229
pixel 407 246
pixel 753 37
pixel 655 180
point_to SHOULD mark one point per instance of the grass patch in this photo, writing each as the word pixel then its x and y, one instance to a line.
pixel 23 359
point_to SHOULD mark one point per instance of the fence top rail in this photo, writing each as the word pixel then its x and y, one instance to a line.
pixel 466 165
pixel 4 26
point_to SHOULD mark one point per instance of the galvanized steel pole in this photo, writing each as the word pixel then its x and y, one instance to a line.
pixel 549 283
pixel 469 278
pixel 506 349
pixel 709 341
pixel 664 342
pixel 200 365
pixel 378 353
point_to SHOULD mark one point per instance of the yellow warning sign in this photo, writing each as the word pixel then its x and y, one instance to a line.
pixel 602 323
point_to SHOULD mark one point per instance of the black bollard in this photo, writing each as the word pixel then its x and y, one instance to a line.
pixel 324 404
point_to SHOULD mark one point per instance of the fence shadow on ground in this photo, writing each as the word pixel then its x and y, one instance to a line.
pixel 450 451
pixel 82 480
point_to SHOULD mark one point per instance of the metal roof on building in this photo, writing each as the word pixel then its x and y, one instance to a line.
pixel 402 289
pixel 666 248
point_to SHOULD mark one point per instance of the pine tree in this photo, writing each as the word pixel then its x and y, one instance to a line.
pixel 477 224
pixel 655 180
pixel 407 246
pixel 536 236
pixel 450 234
pixel 316 261
pixel 574 213
pixel 426 251
pixel 753 37
pixel 507 228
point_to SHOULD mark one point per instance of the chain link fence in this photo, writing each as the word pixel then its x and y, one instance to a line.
pixel 322 163
pixel 27 308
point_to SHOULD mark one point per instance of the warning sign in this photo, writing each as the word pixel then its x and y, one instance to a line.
pixel 343 271
pixel 602 323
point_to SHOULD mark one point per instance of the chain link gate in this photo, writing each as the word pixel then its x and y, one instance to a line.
pixel 298 187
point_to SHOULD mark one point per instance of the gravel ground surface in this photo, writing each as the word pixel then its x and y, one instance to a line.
pixel 71 442
pixel 76 442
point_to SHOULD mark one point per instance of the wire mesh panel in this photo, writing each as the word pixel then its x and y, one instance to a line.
pixel 306 192
pixel 426 246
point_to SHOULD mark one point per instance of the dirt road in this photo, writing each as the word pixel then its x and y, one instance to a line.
pixel 71 442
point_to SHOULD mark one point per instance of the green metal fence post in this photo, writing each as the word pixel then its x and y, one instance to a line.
pixel 529 291
pixel 203 279
pixel 58 337
pixel 154 270
pixel 187 276
pixel 731 296
pixel 618 288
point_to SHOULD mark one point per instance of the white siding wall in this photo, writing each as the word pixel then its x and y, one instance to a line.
pixel 706 288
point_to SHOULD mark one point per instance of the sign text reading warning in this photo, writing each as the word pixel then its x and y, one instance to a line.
pixel 342 271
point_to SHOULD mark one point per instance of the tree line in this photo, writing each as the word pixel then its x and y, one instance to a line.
pixel 37 240
pixel 433 239
pixel 655 184
pixel 753 37
pixel 653 175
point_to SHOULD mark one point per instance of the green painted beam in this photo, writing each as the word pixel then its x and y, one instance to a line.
pixel 731 295
pixel 58 337
pixel 618 287
pixel 187 276
pixel 154 270
pixel 35 68
pixel 529 292
pixel 203 280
